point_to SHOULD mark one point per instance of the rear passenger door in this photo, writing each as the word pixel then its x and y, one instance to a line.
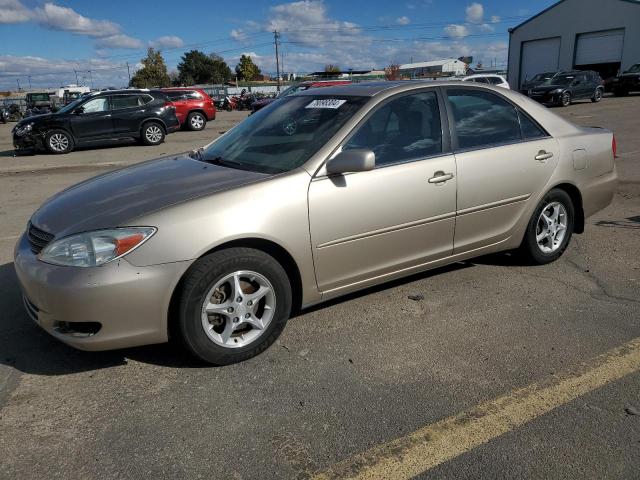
pixel 504 160
pixel 127 111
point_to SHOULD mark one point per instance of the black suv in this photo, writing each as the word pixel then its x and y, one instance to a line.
pixel 565 87
pixel 102 117
pixel 535 81
pixel 628 81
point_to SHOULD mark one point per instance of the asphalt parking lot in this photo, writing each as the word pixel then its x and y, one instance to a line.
pixel 546 356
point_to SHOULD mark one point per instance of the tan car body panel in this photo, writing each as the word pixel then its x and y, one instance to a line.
pixel 349 232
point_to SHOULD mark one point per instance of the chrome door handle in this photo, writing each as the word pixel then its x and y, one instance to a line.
pixel 440 177
pixel 542 156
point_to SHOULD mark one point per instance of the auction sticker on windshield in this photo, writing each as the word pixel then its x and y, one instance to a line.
pixel 327 103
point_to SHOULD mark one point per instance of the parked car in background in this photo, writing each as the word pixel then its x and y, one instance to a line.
pixel 101 117
pixel 326 192
pixel 626 82
pixel 299 87
pixel 491 79
pixel 38 103
pixel 565 87
pixel 535 81
pixel 194 107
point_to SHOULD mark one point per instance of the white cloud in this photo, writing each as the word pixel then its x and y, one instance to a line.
pixel 67 19
pixel 12 11
pixel 456 31
pixel 167 41
pixel 118 41
pixel 486 28
pixel 475 13
pixel 495 19
pixel 404 20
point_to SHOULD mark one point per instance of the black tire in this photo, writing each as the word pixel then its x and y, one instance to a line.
pixel 58 142
pixel 565 99
pixel 529 249
pixel 597 95
pixel 152 133
pixel 196 121
pixel 228 107
pixel 203 276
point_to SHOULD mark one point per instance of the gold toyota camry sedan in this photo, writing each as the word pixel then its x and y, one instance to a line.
pixel 320 194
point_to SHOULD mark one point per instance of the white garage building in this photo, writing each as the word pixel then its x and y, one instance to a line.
pixel 600 35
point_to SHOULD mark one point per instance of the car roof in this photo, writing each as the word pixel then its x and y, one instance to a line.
pixel 122 91
pixel 371 89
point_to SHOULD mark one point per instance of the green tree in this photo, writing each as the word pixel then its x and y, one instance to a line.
pixel 196 67
pixel 331 68
pixel 153 72
pixel 246 69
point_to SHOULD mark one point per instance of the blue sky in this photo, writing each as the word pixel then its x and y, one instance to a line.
pixel 50 39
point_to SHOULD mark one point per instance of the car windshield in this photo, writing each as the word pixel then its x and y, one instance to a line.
pixel 542 76
pixel 635 68
pixel 293 89
pixel 284 136
pixel 71 106
pixel 560 80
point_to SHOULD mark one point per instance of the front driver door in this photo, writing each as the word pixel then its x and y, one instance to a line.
pixel 368 226
pixel 95 120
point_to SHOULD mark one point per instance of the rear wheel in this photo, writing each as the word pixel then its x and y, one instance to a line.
pixel 549 229
pixel 58 142
pixel 233 305
pixel 152 133
pixel 597 95
pixel 196 121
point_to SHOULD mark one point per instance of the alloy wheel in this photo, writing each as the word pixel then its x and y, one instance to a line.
pixel 551 227
pixel 197 122
pixel 59 142
pixel 238 309
pixel 153 134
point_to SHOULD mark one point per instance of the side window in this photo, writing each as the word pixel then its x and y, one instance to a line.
pixel 480 80
pixel 482 118
pixel 193 95
pixel 407 128
pixel 145 99
pixel 175 96
pixel 495 80
pixel 118 102
pixel 96 105
pixel 530 129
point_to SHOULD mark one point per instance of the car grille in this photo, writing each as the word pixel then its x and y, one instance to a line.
pixel 38 239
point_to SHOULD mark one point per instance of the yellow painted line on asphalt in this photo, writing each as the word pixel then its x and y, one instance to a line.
pixel 434 444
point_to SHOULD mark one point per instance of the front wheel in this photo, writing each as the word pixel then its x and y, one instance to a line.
pixel 597 95
pixel 549 229
pixel 58 142
pixel 234 304
pixel 152 134
pixel 565 99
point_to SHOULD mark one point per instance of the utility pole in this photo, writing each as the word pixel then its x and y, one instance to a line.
pixel 129 73
pixel 29 77
pixel 276 38
pixel 18 81
pixel 76 76
pixel 91 79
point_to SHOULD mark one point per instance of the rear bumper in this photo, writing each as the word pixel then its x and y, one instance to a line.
pixel 128 304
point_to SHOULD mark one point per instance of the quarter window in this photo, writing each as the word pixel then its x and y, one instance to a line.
pixel 193 95
pixel 404 129
pixel 175 95
pixel 482 119
pixel 530 129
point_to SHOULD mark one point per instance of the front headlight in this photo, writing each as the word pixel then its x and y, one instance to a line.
pixel 92 249
pixel 24 129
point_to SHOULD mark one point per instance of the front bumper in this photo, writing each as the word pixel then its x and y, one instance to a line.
pixel 27 143
pixel 128 304
pixel 546 97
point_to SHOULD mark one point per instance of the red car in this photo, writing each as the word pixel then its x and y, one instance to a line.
pixel 193 106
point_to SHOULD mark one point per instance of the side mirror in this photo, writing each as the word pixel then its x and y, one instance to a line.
pixel 356 160
pixel 79 110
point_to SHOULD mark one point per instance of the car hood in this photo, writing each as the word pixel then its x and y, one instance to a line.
pixel 548 88
pixel 36 118
pixel 629 75
pixel 116 198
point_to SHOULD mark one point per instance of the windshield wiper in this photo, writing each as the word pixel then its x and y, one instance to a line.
pixel 223 161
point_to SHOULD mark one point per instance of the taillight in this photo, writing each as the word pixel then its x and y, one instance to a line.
pixel 614 146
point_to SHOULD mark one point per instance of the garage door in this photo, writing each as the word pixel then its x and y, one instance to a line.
pixel 539 56
pixel 599 47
